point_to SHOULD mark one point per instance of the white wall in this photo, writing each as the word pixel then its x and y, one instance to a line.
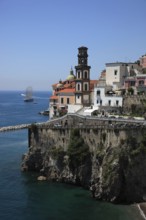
pixel 51 111
pixel 74 108
pixel 92 97
pixel 114 74
pixel 106 98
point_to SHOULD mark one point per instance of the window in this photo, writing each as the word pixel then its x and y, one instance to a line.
pixel 62 101
pixel 132 83
pixel 86 74
pixel 67 100
pixel 115 72
pixel 79 75
pixel 86 87
pixel 117 102
pixel 78 87
pixel 109 102
pixel 100 102
pixel 141 82
pixel 78 96
pixel 98 92
pixel 97 101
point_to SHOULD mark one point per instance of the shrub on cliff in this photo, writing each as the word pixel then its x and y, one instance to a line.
pixel 78 151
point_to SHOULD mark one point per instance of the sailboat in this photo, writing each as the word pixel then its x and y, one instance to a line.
pixel 28 95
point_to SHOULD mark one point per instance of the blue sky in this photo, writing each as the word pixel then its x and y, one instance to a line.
pixel 39 39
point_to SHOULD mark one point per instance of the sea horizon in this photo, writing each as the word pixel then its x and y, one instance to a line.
pixel 20 90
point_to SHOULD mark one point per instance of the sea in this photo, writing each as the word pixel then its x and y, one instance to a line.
pixel 22 197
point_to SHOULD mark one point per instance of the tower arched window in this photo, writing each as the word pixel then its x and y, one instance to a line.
pixel 78 87
pixel 85 74
pixel 79 75
pixel 86 87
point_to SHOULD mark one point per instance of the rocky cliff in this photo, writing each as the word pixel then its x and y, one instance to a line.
pixel 109 158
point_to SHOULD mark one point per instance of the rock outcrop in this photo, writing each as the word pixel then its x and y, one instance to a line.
pixel 109 160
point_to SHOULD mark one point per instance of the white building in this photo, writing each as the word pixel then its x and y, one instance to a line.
pixel 102 97
pixel 117 72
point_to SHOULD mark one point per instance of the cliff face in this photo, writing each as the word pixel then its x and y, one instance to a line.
pixel 110 160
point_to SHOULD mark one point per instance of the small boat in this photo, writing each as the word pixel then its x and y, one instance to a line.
pixel 45 112
pixel 28 95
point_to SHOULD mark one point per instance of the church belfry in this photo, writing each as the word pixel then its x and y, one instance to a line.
pixel 82 56
pixel 82 82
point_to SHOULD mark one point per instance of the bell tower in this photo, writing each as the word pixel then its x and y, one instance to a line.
pixel 82 82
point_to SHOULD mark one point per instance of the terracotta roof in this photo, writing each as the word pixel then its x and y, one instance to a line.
pixel 54 97
pixel 67 90
pixel 64 84
pixel 69 85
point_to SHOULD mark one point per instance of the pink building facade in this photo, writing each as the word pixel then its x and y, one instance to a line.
pixel 138 83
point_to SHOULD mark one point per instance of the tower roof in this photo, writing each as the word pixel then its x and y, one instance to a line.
pixel 82 47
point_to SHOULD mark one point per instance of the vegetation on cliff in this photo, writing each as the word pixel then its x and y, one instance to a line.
pixel 78 151
pixel 79 159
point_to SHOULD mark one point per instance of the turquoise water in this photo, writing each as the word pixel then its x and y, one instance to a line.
pixel 24 198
